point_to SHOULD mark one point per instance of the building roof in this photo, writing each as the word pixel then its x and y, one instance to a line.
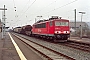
pixel 84 24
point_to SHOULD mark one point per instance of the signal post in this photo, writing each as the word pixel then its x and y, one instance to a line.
pixel 3 22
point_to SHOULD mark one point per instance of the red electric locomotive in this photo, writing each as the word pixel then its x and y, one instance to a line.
pixel 54 28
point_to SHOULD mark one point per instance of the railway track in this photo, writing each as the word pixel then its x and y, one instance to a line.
pixel 68 51
pixel 77 45
pixel 45 51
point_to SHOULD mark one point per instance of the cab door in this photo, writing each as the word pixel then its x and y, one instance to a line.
pixel 51 27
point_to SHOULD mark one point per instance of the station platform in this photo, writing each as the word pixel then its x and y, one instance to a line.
pixel 12 49
pixel 7 49
pixel 78 39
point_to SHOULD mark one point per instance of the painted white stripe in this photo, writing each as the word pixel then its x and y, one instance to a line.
pixel 22 57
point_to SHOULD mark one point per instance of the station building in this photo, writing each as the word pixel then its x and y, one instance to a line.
pixel 77 29
pixel 84 25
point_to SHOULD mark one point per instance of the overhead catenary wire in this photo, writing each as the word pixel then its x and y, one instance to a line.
pixel 51 10
pixel 39 10
pixel 25 11
pixel 25 5
pixel 28 8
pixel 60 7
pixel 16 15
pixel 56 8
pixel 46 6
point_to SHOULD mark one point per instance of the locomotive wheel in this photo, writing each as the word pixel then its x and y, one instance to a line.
pixel 51 38
pixel 44 37
pixel 47 37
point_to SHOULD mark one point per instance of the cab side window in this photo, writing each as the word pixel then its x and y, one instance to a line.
pixel 51 23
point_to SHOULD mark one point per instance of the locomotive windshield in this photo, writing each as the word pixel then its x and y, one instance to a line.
pixel 61 23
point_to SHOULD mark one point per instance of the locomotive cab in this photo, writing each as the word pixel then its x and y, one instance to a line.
pixel 54 28
pixel 62 30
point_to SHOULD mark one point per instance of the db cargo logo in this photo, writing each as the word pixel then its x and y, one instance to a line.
pixel 39 30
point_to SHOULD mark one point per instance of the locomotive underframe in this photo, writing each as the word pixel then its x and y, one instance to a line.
pixel 54 37
pixel 62 36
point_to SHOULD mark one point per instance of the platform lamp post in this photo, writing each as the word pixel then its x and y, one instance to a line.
pixel 3 23
pixel 81 24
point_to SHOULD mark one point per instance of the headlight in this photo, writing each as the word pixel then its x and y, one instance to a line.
pixel 64 32
pixel 68 32
pixel 57 31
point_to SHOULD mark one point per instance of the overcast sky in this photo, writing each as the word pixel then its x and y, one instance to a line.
pixel 28 10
